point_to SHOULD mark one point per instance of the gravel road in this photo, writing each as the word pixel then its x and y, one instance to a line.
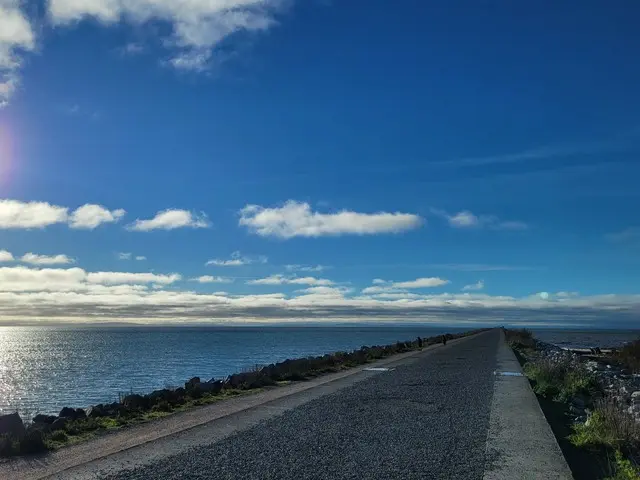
pixel 426 419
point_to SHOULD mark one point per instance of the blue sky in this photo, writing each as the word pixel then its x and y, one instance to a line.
pixel 399 161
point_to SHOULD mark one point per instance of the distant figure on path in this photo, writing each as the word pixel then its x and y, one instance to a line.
pixel 419 342
pixel 444 339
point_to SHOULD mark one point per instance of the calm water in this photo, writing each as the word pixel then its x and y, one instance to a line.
pixel 43 369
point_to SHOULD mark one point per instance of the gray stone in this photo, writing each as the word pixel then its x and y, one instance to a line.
pixel 44 419
pixel 59 424
pixel 212 386
pixel 12 425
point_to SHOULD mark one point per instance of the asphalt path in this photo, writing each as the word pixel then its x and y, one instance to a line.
pixel 425 418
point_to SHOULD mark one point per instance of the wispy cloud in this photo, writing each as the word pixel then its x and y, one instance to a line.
pixel 211 279
pixel 140 258
pixel 295 219
pixel 170 220
pixel 197 26
pixel 631 234
pixel 467 219
pixel 16 36
pixel 305 268
pixel 385 286
pixel 237 260
pixel 284 280
pixel 479 285
pixel 124 255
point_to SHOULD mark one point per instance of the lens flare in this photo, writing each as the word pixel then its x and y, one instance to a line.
pixel 6 155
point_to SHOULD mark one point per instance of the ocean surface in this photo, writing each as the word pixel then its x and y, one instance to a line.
pixel 43 369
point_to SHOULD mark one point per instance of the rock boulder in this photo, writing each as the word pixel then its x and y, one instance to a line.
pixel 12 425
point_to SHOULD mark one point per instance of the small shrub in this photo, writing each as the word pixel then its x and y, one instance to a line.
pixel 520 338
pixel 608 426
pixel 6 446
pixel 59 436
pixel 162 406
pixel 32 442
pixel 629 356
pixel 624 469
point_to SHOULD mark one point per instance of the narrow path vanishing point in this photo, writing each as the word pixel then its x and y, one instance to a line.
pixel 427 416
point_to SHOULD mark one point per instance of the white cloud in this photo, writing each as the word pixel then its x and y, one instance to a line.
pixel 6 256
pixel 381 286
pixel 295 219
pixel 305 268
pixel 210 279
pixel 16 36
pixel 479 285
pixel 90 216
pixel 17 214
pixel 114 278
pixel 124 256
pixel 282 280
pixel 197 26
pixel 237 260
pixel 35 259
pixel 74 295
pixel 466 219
pixel 140 258
pixel 171 219
pixel 428 282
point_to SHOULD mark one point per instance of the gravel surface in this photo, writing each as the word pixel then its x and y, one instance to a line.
pixel 428 419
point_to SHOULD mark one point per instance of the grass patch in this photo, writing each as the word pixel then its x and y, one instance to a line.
pixel 560 380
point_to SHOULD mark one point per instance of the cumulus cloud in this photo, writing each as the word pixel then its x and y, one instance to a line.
pixel 197 26
pixel 295 219
pixel 283 280
pixel 237 260
pixel 35 259
pixel 6 256
pixel 479 285
pixel 211 279
pixel 15 214
pixel 16 36
pixel 466 219
pixel 170 220
pixel 90 216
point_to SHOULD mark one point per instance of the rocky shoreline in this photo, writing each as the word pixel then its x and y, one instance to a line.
pixel 616 382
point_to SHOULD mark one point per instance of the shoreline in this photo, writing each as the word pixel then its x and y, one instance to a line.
pixel 72 426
